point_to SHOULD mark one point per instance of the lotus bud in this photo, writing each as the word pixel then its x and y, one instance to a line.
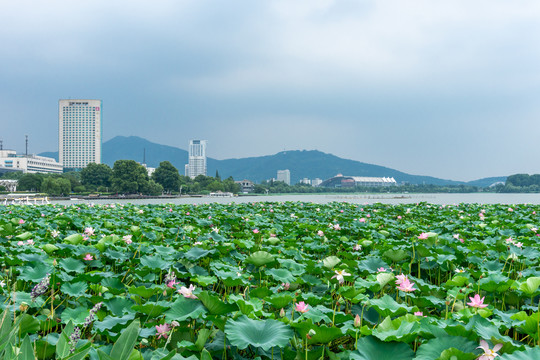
pixel 282 312
pixel 357 321
pixel 23 306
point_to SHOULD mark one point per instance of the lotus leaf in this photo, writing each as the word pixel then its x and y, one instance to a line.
pixel 263 334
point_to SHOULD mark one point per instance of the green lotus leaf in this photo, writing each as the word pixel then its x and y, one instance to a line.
pixel 119 306
pixel 76 315
pixel 74 239
pixel 331 261
pixel 323 334
pixel 143 291
pixel 371 264
pixel 184 309
pixel 495 282
pixel 74 289
pixel 281 275
pixel 386 306
pixel 403 331
pixel 35 273
pixel 529 354
pixel 154 262
pixel 295 268
pixel 279 301
pixel 24 236
pixel 530 286
pixel 152 309
pixel 260 292
pixel 396 255
pixel 112 323
pixel 204 281
pixel 49 248
pixel 72 265
pixel 384 278
pixel 434 348
pixel 264 334
pixel 197 253
pixel 260 258
pixel 370 348
pixel 214 305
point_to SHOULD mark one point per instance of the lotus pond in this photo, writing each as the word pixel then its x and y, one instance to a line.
pixel 270 280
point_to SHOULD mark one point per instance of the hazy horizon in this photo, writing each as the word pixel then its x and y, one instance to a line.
pixel 448 90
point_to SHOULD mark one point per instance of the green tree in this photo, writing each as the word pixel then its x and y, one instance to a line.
pixel 230 186
pixel 56 185
pixel 74 178
pixel 129 177
pixel 96 175
pixel 30 182
pixel 167 176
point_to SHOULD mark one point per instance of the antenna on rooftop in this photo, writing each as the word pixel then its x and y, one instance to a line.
pixel 26 144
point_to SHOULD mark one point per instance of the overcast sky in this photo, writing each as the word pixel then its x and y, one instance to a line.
pixel 443 88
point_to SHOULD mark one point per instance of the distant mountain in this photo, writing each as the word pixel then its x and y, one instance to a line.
pixel 301 163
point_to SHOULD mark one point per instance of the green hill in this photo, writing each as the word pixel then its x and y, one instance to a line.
pixel 301 163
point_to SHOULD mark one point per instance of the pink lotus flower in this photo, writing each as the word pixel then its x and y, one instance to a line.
pixel 337 227
pixel 21 221
pixel 20 243
pixel 255 231
pixel 30 242
pixel 127 239
pixel 188 292
pixel 88 257
pixel 286 286
pixel 171 284
pixel 357 247
pixel 510 209
pixel 320 233
pixel 357 321
pixel 477 302
pixel 489 354
pixel 340 275
pixel 301 307
pixel 406 286
pixel 400 278
pixel 399 217
pixel 423 236
pixel 89 231
pixel 381 269
pixel 162 330
pixel 362 220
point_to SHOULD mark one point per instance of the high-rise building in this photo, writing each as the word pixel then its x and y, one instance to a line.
pixel 197 158
pixel 79 125
pixel 285 176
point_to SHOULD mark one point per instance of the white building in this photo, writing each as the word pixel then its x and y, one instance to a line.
pixel 29 163
pixel 79 125
pixel 305 181
pixel 285 176
pixel 197 159
pixel 316 182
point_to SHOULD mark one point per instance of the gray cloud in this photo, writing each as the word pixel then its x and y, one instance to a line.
pixel 443 89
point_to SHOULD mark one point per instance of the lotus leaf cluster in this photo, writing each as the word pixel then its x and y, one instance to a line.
pixel 270 280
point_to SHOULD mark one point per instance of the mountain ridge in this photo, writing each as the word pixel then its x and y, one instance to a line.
pixel 302 163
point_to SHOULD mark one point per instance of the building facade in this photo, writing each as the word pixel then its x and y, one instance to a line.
pixel 197 159
pixel 10 160
pixel 79 125
pixel 351 181
pixel 285 176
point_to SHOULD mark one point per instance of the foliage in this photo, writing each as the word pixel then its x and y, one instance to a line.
pixel 290 280
pixel 167 176
pixel 96 175
pixel 129 177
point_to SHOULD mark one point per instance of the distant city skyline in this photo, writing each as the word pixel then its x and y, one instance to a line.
pixel 448 90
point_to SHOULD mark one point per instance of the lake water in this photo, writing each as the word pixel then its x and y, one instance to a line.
pixel 480 198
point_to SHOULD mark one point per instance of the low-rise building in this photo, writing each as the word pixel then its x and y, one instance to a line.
pixel 351 181
pixel 29 163
pixel 246 185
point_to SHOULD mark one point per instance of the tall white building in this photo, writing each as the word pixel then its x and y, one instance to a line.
pixel 197 159
pixel 285 176
pixel 79 124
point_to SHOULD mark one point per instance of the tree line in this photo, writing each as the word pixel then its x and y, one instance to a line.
pixel 524 183
pixel 125 177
